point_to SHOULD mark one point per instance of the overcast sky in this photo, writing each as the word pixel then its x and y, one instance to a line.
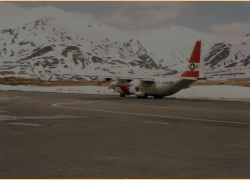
pixel 229 20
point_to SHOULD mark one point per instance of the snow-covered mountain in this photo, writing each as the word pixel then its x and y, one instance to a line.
pixel 171 46
pixel 48 43
pixel 229 59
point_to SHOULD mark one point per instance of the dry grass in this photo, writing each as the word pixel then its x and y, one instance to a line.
pixel 233 82
pixel 82 82
pixel 20 81
pixel 39 82
pixel 62 82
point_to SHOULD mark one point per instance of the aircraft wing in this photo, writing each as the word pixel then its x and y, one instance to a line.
pixel 118 77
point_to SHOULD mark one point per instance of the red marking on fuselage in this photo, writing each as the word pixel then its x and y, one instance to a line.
pixel 190 74
pixel 125 90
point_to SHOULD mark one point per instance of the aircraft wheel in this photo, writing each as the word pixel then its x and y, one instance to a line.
pixel 142 97
pixel 160 97
pixel 155 97
pixel 122 95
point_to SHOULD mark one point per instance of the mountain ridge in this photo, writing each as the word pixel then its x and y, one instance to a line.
pixel 50 44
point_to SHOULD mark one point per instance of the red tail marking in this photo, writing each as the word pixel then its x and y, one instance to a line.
pixel 125 90
pixel 195 57
pixel 190 74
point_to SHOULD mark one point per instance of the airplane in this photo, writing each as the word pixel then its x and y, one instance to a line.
pixel 158 87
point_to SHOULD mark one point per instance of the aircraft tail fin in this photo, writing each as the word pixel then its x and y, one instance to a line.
pixel 195 68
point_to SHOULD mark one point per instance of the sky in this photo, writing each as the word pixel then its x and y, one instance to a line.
pixel 228 20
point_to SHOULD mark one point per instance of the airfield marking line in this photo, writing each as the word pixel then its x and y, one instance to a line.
pixel 153 122
pixel 3 111
pixel 140 114
pixel 25 124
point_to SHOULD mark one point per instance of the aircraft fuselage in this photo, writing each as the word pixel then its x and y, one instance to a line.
pixel 159 87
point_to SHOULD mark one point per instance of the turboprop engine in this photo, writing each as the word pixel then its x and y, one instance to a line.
pixel 102 79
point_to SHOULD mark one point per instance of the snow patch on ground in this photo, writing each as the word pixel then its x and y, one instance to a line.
pixel 220 92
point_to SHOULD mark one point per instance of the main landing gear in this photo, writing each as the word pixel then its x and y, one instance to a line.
pixel 143 97
pixel 158 97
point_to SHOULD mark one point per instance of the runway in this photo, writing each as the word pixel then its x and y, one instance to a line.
pixel 53 135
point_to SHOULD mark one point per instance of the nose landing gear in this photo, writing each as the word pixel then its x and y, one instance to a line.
pixel 122 95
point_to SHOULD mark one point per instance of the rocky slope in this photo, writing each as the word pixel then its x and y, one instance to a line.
pixel 229 59
pixel 171 46
pixel 48 43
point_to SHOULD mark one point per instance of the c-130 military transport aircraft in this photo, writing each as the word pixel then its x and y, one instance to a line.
pixel 158 87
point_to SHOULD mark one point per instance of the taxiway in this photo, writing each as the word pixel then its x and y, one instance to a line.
pixel 55 135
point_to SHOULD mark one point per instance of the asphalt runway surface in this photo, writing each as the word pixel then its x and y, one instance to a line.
pixel 53 135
